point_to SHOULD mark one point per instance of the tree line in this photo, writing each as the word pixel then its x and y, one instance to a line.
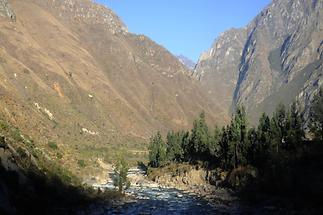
pixel 275 143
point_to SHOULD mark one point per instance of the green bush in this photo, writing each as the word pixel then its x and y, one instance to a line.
pixel 81 163
pixel 4 125
pixel 52 145
pixel 16 135
pixel 59 155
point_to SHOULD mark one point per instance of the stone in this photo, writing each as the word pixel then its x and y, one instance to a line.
pixel 6 11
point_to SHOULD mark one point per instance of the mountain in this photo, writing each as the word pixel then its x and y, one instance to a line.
pixel 217 68
pixel 72 74
pixel 186 62
pixel 277 58
pixel 6 11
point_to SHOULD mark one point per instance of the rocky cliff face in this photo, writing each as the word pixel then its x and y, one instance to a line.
pixel 6 11
pixel 279 58
pixel 217 68
pixel 186 62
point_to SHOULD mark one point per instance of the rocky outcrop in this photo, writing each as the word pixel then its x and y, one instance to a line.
pixel 277 58
pixel 6 11
pixel 217 68
pixel 186 61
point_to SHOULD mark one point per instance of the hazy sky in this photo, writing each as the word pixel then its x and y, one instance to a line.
pixel 185 27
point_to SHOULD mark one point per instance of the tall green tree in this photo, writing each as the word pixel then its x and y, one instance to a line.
pixel 214 145
pixel 199 142
pixel 279 128
pixel 263 141
pixel 175 150
pixel 224 148
pixel 252 147
pixel 157 151
pixel 120 179
pixel 316 115
pixel 295 132
pixel 237 137
pixel 186 145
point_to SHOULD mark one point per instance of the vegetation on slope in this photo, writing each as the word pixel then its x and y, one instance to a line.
pixel 272 158
pixel 33 183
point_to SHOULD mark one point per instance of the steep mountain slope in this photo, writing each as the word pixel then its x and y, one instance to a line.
pixel 72 74
pixel 6 11
pixel 217 68
pixel 276 58
pixel 186 61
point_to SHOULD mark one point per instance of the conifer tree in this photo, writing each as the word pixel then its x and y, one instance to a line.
pixel 175 151
pixel 157 151
pixel 120 179
pixel 224 154
pixel 199 138
pixel 263 141
pixel 278 128
pixel 295 133
pixel 237 137
pixel 316 115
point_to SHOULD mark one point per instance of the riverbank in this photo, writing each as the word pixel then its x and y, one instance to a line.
pixel 193 180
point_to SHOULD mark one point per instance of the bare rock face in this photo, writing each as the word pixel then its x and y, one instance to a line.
pixel 217 68
pixel 6 11
pixel 186 62
pixel 279 58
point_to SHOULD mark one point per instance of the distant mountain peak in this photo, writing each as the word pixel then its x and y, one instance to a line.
pixel 6 11
pixel 186 61
pixel 276 58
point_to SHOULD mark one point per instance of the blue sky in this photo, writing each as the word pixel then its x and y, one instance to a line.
pixel 186 27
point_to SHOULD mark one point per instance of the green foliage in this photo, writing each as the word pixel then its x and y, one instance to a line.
pixel 237 137
pixel 157 151
pixel 4 125
pixel 175 151
pixel 224 148
pixel 295 132
pixel 214 145
pixel 200 138
pixel 52 145
pixel 81 163
pixel 316 115
pixel 16 135
pixel 120 179
pixel 271 151
pixel 59 155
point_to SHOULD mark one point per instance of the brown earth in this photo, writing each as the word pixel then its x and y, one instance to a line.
pixel 71 73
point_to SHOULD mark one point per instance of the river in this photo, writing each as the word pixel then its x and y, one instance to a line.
pixel 149 198
pixel 163 201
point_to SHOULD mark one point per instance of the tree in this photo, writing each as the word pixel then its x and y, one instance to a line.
pixel 278 127
pixel 186 145
pixel 120 179
pixel 295 133
pixel 199 142
pixel 316 115
pixel 175 151
pixel 263 141
pixel 252 147
pixel 224 148
pixel 157 151
pixel 214 145
pixel 237 137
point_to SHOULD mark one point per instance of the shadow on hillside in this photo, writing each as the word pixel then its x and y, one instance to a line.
pixel 35 192
pixel 296 184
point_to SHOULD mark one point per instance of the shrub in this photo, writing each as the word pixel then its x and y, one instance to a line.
pixel 52 145
pixel 81 163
